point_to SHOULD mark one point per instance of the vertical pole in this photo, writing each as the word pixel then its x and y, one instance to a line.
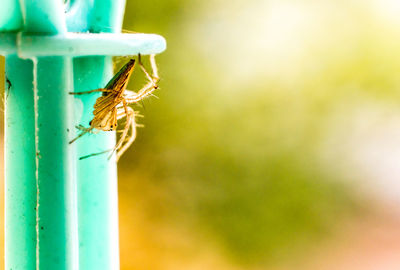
pixel 56 217
pixel 39 172
pixel 53 199
pixel 20 183
pixel 10 16
pixel 97 185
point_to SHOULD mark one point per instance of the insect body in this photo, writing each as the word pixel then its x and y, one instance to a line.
pixel 112 105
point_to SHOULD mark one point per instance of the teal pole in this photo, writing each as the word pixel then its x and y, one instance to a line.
pixel 97 187
pixel 97 176
pixel 10 16
pixel 56 213
pixel 20 167
pixel 55 189
pixel 39 197
pixel 61 212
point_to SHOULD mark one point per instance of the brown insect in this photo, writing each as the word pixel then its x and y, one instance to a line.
pixel 113 105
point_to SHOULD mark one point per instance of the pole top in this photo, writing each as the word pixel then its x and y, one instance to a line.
pixel 70 28
pixel 80 44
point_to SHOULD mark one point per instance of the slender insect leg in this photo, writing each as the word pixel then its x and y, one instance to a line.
pixel 121 111
pixel 95 154
pixel 91 91
pixel 154 66
pixel 147 90
pixel 84 131
pixel 128 93
pixel 154 79
pixel 144 69
pixel 131 138
pixel 125 113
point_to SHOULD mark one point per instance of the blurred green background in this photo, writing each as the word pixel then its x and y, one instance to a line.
pixel 275 141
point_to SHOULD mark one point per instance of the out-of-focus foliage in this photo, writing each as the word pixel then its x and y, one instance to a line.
pixel 259 120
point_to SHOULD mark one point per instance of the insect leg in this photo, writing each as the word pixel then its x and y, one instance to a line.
pixel 82 133
pixel 147 90
pixel 95 154
pixel 128 93
pixel 91 91
pixel 127 112
pixel 131 138
pixel 154 78
pixel 154 66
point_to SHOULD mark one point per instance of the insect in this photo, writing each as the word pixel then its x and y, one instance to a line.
pixel 112 105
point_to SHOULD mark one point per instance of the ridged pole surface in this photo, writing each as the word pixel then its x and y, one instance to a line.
pixel 20 167
pixel 56 217
pixel 56 209
pixel 48 177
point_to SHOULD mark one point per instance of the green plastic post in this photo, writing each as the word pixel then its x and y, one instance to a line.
pixel 97 187
pixel 10 16
pixel 20 167
pixel 97 176
pixel 56 239
pixel 40 216
pixel 56 214
pixel 61 212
